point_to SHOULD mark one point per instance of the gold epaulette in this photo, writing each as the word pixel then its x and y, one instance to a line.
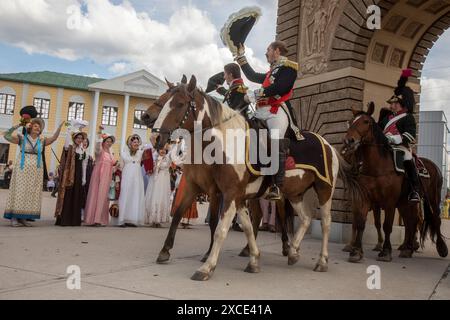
pixel 291 64
pixel 242 89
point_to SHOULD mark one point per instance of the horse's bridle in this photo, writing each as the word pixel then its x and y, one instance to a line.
pixel 192 108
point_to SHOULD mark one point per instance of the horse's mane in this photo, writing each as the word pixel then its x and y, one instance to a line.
pixel 378 134
pixel 219 112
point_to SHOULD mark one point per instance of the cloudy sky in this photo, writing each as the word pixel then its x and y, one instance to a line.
pixel 167 37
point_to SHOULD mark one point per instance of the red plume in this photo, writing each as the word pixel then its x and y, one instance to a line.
pixel 407 73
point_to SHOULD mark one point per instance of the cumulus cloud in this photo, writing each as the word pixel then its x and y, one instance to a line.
pixel 118 36
pixel 435 95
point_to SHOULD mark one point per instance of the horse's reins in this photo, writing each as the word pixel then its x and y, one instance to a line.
pixel 193 108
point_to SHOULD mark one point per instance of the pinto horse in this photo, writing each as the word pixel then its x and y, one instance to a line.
pixel 284 211
pixel 377 186
pixel 185 107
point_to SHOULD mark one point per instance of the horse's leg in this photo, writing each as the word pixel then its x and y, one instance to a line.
pixel 214 206
pixel 349 247
pixel 386 254
pixel 409 214
pixel 359 224
pixel 325 211
pixel 206 270
pixel 304 210
pixel 186 202
pixel 253 265
pixel 281 213
pixel 377 219
pixel 256 213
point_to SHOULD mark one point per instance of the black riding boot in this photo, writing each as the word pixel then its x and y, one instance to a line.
pixel 413 178
pixel 274 191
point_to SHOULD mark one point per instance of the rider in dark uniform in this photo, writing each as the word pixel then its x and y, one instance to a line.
pixel 399 126
pixel 234 97
pixel 273 101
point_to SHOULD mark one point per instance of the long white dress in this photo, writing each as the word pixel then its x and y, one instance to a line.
pixel 157 199
pixel 132 197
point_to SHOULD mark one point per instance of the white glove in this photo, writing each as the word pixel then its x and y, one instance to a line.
pixel 240 51
pixel 83 183
pixel 251 96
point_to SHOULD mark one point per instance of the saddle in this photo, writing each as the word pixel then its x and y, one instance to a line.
pixel 307 154
pixel 399 158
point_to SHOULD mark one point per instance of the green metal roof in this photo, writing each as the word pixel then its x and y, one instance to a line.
pixel 53 79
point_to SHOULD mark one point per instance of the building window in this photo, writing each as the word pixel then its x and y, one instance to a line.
pixel 43 107
pixel 109 117
pixel 7 102
pixel 137 115
pixel 76 111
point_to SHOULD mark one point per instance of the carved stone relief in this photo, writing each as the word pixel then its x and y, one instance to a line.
pixel 317 17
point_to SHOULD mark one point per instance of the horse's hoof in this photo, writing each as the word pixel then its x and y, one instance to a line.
pixel 252 269
pixel 406 253
pixel 200 276
pixel 205 257
pixel 441 247
pixel 384 257
pixel 401 248
pixel 416 246
pixel 355 256
pixel 245 252
pixel 293 259
pixel 347 248
pixel 378 248
pixel 321 268
pixel 285 250
pixel 163 257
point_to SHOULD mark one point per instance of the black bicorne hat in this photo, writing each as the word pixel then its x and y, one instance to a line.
pixel 403 94
pixel 216 80
pixel 238 26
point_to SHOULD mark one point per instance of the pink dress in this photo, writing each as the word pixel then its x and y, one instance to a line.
pixel 97 204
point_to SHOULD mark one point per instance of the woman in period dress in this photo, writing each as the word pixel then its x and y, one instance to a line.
pixel 97 204
pixel 157 199
pixel 72 180
pixel 25 194
pixel 132 196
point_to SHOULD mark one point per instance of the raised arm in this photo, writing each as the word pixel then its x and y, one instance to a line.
pixel 249 72
pixel 55 136
pixel 10 136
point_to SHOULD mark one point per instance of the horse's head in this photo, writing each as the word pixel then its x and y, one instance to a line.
pixel 176 109
pixel 360 129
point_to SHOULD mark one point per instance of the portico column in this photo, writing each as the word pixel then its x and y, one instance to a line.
pixel 125 122
pixel 94 122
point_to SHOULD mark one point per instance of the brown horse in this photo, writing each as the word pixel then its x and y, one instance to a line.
pixel 187 106
pixel 377 185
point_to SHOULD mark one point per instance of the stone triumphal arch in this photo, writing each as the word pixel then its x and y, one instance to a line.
pixel 345 64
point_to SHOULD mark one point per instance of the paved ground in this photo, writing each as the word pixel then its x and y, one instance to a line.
pixel 120 263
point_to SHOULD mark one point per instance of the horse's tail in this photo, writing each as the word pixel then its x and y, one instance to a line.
pixel 350 178
pixel 431 208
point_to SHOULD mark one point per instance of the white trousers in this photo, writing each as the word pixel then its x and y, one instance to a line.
pixel 277 123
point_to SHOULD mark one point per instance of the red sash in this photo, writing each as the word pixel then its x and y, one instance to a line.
pixel 272 101
pixel 147 160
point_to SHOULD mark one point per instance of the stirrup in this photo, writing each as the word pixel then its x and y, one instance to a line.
pixel 273 195
pixel 414 197
pixel 298 135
